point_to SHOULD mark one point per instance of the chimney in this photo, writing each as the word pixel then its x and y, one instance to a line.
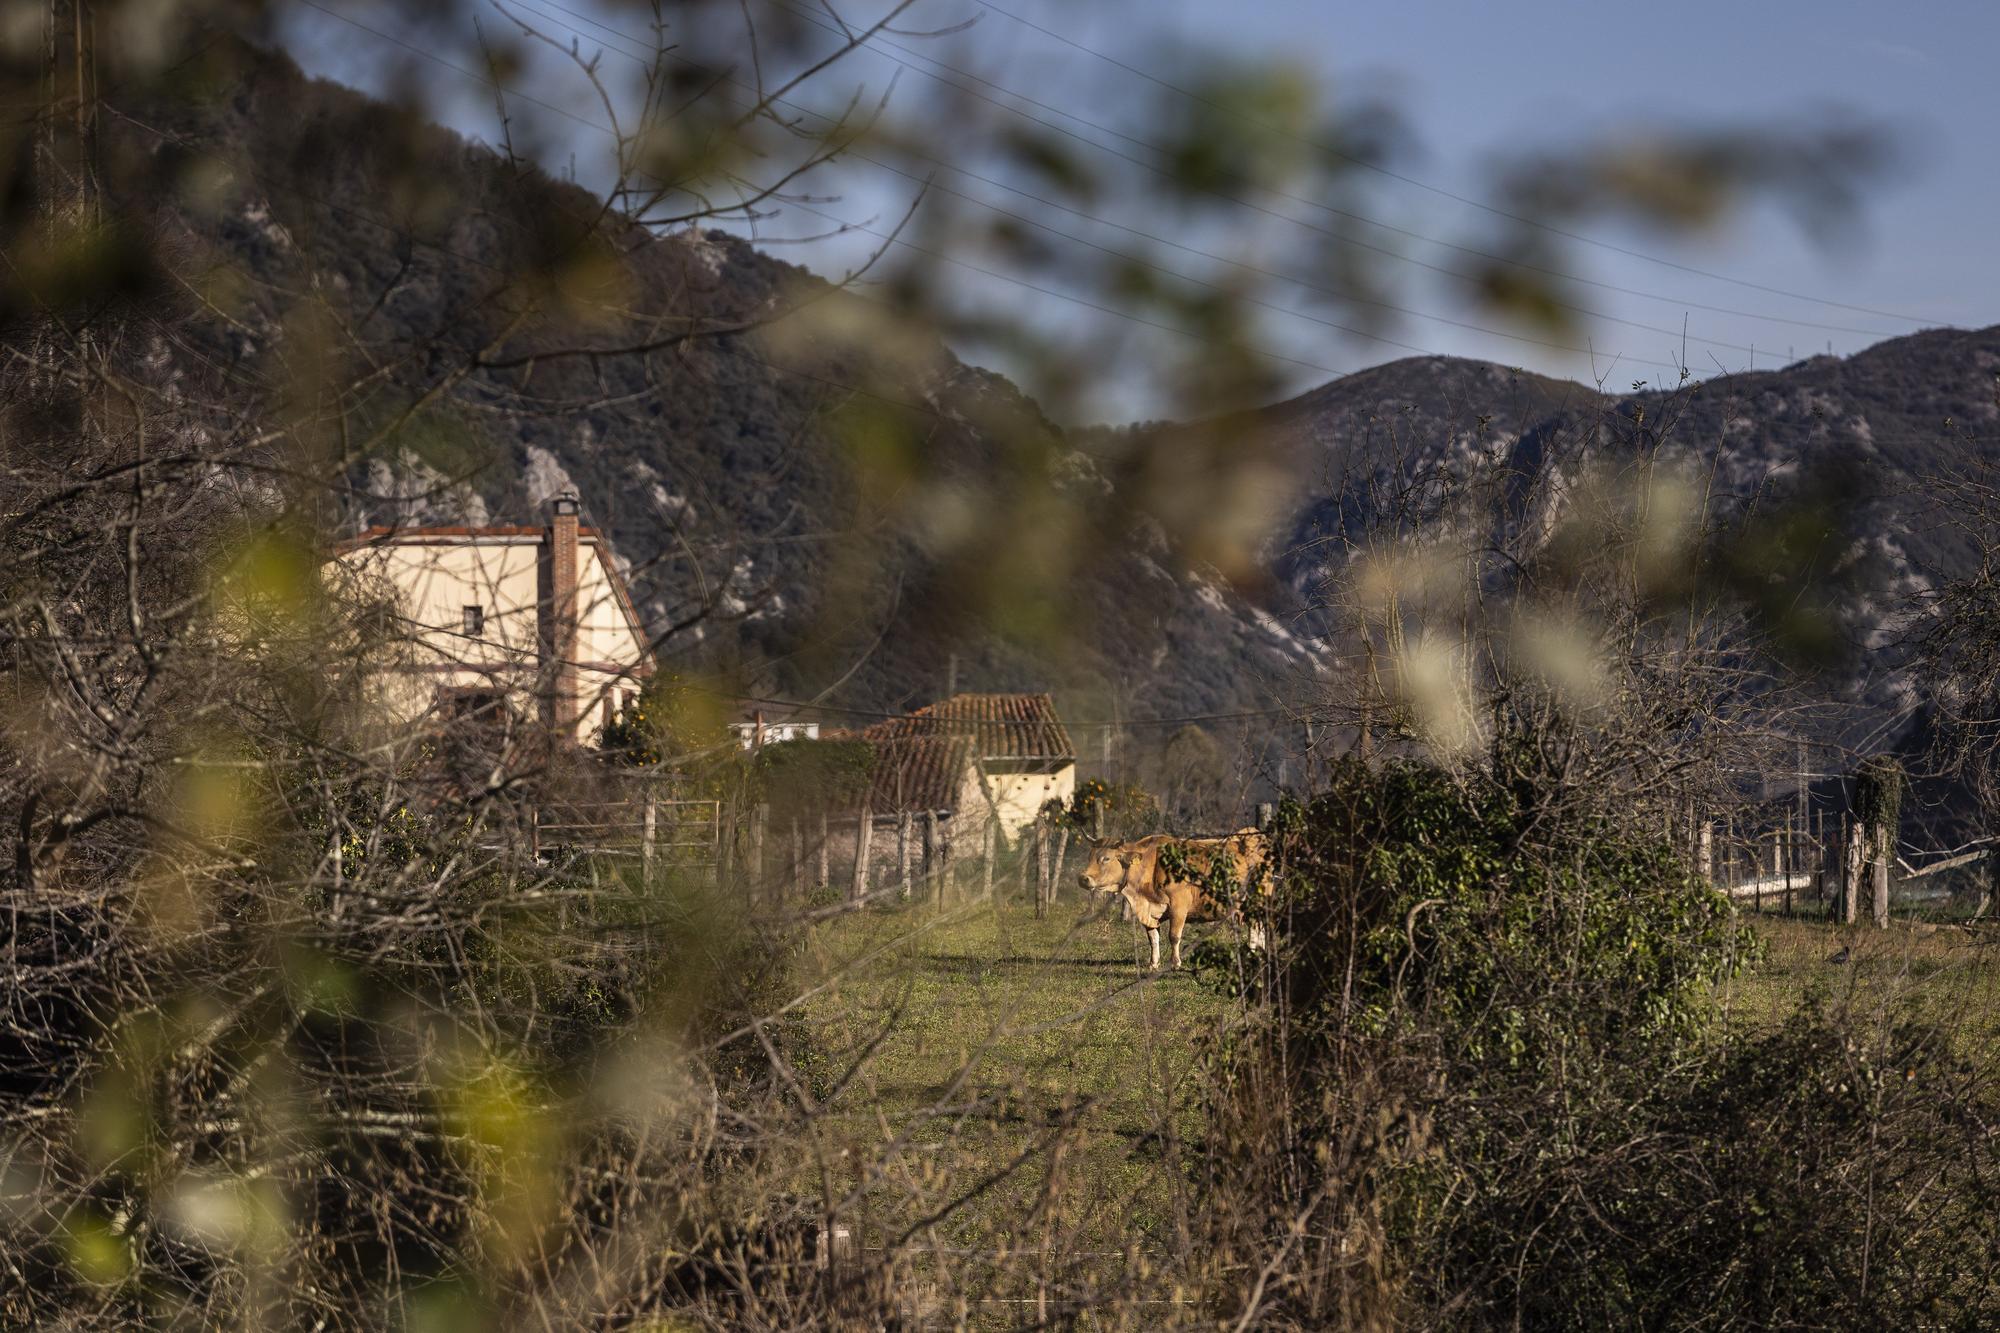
pixel 556 607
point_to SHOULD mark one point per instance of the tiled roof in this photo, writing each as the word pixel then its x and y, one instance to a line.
pixel 917 773
pixel 998 726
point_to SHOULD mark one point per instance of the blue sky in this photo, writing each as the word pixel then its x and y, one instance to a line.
pixel 1472 84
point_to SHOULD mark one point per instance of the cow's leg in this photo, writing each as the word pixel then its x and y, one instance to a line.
pixel 1153 934
pixel 1177 918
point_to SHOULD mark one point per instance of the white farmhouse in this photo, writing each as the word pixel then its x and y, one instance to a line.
pixel 533 620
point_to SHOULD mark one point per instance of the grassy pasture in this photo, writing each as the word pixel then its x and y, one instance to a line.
pixel 1945 972
pixel 1032 1062
pixel 1036 1066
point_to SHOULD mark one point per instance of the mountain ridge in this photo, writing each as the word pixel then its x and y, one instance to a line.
pixel 735 447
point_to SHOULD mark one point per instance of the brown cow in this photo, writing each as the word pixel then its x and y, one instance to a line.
pixel 1135 870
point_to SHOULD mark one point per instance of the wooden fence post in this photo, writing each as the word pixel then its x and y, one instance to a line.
pixel 1062 851
pixel 758 818
pixel 933 856
pixel 1853 864
pixel 647 839
pixel 864 834
pixel 825 854
pixel 947 866
pixel 1791 857
pixel 1729 855
pixel 1041 868
pixel 1883 843
pixel 1021 863
pixel 903 850
pixel 988 847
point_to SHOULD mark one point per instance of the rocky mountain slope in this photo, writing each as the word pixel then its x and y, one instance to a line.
pixel 725 467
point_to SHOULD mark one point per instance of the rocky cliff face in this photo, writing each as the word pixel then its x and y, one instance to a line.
pixel 725 467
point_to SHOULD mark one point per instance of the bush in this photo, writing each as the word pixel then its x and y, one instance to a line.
pixel 1112 810
pixel 1423 903
pixel 1490 1073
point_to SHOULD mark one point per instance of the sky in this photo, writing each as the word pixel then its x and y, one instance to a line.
pixel 1472 84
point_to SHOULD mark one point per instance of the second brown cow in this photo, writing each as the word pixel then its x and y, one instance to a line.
pixel 1136 870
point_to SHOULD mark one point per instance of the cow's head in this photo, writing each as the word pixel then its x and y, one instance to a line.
pixel 1105 871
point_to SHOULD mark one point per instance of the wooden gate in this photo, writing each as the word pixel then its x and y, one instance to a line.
pixel 677 832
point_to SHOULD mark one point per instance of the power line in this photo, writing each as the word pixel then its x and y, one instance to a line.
pixel 1241 202
pixel 1024 219
pixel 741 349
pixel 854 226
pixel 1041 290
pixel 1581 238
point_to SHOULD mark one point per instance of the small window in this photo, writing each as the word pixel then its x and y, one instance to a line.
pixel 475 620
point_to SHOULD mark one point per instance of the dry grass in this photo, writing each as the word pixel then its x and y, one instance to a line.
pixel 1946 973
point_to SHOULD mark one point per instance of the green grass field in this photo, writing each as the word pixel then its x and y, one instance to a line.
pixel 1008 1082
pixel 1947 973
pixel 977 1039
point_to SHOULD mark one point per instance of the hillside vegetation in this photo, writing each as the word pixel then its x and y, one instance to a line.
pixel 734 471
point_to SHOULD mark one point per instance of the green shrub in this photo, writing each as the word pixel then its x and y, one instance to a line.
pixel 1115 810
pixel 1492 1064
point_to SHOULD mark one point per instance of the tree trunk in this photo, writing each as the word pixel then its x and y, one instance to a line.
pixel 1852 866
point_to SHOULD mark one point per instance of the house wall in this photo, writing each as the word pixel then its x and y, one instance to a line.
pixel 609 646
pixel 1018 797
pixel 434 580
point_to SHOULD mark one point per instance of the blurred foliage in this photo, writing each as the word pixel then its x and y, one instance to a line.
pixel 674 720
pixel 1098 808
pixel 801 775
pixel 306 1024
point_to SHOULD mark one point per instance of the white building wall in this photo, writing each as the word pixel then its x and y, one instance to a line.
pixel 435 579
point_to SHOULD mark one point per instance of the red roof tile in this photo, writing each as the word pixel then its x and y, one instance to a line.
pixel 998 726
pixel 917 773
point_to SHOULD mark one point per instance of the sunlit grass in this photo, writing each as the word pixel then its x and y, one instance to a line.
pixel 1942 972
pixel 995 1036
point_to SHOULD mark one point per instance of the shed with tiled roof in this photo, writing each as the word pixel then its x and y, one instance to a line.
pixel 921 775
pixel 1002 729
pixel 1015 745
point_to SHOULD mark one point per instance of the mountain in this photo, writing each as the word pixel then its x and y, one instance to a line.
pixel 1884 420
pixel 756 480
